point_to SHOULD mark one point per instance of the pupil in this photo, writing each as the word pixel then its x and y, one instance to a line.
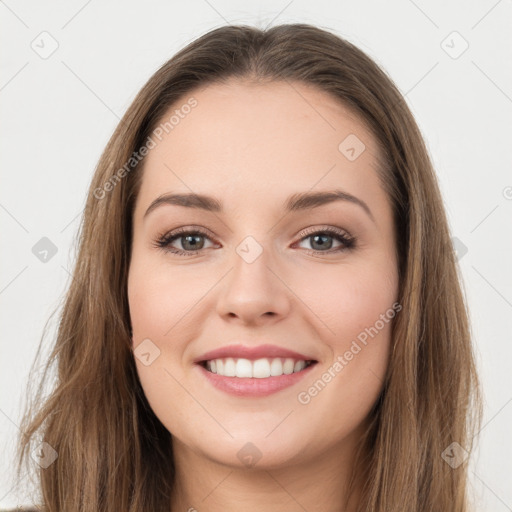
pixel 316 237
pixel 187 240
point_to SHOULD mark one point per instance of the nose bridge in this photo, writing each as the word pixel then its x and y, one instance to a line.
pixel 251 263
pixel 252 289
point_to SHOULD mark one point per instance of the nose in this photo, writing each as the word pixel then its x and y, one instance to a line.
pixel 253 292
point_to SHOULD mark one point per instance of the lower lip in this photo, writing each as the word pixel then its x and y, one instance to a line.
pixel 253 387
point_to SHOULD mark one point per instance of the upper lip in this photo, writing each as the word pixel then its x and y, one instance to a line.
pixel 252 353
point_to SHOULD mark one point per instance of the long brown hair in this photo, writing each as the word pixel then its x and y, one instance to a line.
pixel 113 452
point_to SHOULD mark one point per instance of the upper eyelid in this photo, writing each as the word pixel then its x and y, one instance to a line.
pixel 205 231
pixel 335 232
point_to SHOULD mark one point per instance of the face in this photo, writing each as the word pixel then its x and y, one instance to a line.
pixel 309 289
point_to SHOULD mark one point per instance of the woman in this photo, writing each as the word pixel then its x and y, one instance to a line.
pixel 265 311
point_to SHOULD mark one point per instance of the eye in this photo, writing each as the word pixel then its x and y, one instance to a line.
pixel 190 240
pixel 192 243
pixel 321 240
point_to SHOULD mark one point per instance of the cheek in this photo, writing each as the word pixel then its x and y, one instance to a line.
pixel 159 300
pixel 158 303
pixel 349 299
pixel 163 303
pixel 357 307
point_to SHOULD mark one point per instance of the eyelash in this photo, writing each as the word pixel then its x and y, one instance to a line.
pixel 164 240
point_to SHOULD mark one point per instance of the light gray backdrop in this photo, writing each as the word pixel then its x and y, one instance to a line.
pixel 70 69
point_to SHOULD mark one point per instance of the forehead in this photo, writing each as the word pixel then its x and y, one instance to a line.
pixel 267 140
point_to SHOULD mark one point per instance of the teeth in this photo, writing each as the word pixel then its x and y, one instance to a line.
pixel 243 368
pixel 229 367
pixel 288 366
pixel 276 367
pixel 299 365
pixel 259 369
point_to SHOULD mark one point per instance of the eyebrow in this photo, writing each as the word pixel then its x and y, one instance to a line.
pixel 296 202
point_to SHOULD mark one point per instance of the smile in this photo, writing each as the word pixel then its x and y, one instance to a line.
pixel 258 378
pixel 259 369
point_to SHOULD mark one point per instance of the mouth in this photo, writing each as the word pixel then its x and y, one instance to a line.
pixel 253 371
pixel 262 368
pixel 246 378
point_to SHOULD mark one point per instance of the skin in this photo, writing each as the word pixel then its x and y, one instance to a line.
pixel 251 146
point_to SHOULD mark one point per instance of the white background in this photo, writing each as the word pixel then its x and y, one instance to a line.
pixel 58 113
